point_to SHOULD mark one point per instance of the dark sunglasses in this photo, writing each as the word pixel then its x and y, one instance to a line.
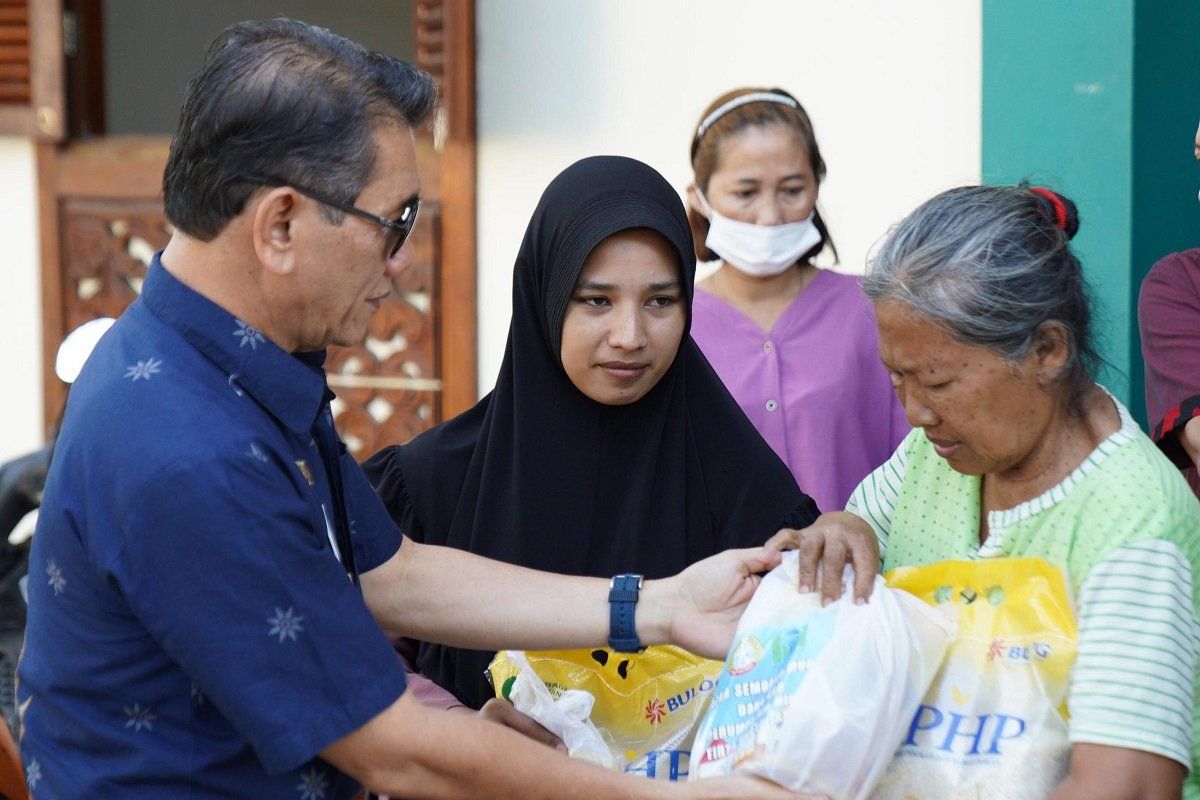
pixel 401 226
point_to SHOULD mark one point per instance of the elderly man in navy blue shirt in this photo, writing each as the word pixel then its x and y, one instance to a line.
pixel 211 571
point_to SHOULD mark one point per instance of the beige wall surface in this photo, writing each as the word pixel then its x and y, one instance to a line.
pixel 893 90
pixel 20 301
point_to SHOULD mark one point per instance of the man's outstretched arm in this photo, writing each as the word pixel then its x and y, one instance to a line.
pixel 414 752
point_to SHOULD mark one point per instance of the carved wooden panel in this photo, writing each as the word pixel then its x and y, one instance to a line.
pixel 388 388
pixel 106 247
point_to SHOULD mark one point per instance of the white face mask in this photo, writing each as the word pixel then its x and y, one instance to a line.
pixel 761 250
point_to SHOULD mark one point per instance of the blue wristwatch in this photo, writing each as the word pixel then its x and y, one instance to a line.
pixel 622 600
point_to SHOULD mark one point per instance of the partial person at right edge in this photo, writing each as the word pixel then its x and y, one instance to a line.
pixel 1169 319
pixel 795 344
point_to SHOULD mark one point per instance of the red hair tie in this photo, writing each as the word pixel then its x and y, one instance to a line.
pixel 1060 209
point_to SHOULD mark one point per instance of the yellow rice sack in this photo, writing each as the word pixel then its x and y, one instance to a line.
pixel 993 725
pixel 647 705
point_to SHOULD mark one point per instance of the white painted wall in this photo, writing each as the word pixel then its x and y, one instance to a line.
pixel 893 90
pixel 20 301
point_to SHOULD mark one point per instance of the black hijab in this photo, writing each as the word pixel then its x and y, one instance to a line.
pixel 538 474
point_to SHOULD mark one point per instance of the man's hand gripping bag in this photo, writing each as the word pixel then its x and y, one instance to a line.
pixel 817 699
pixel 993 725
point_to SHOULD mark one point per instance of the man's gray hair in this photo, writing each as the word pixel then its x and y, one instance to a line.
pixel 288 102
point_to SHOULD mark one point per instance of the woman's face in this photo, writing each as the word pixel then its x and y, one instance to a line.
pixel 763 176
pixel 983 413
pixel 625 319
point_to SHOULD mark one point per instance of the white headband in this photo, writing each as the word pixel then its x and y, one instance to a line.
pixel 753 97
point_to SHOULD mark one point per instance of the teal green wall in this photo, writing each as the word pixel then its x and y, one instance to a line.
pixel 1166 109
pixel 1058 110
pixel 1098 99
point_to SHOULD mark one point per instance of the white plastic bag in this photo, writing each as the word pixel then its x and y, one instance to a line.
pixel 568 717
pixel 818 699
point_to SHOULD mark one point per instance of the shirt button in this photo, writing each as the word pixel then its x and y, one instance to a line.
pixel 772 405
pixel 768 347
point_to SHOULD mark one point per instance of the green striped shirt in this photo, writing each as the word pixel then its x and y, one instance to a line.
pixel 1125 529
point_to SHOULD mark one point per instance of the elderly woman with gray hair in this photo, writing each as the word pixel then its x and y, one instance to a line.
pixel 985 327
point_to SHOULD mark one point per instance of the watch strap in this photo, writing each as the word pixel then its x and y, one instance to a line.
pixel 622 604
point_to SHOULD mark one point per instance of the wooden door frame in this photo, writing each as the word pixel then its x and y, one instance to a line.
pixel 44 115
pixel 445 37
pixel 127 167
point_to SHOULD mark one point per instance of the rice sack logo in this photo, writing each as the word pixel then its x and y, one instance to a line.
pixel 746 656
pixel 1018 654
pixel 671 765
pixel 656 711
pixel 962 734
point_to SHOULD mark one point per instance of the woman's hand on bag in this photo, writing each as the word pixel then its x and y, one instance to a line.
pixel 742 787
pixel 833 541
pixel 503 713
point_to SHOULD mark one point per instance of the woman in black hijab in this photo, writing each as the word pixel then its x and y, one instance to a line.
pixel 645 479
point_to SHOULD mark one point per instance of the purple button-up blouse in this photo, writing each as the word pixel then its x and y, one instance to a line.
pixel 813 386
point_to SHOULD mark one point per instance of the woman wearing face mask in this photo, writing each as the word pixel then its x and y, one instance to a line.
pixel 795 344
pixel 608 445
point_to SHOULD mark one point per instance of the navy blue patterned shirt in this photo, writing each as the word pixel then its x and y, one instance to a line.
pixel 192 630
